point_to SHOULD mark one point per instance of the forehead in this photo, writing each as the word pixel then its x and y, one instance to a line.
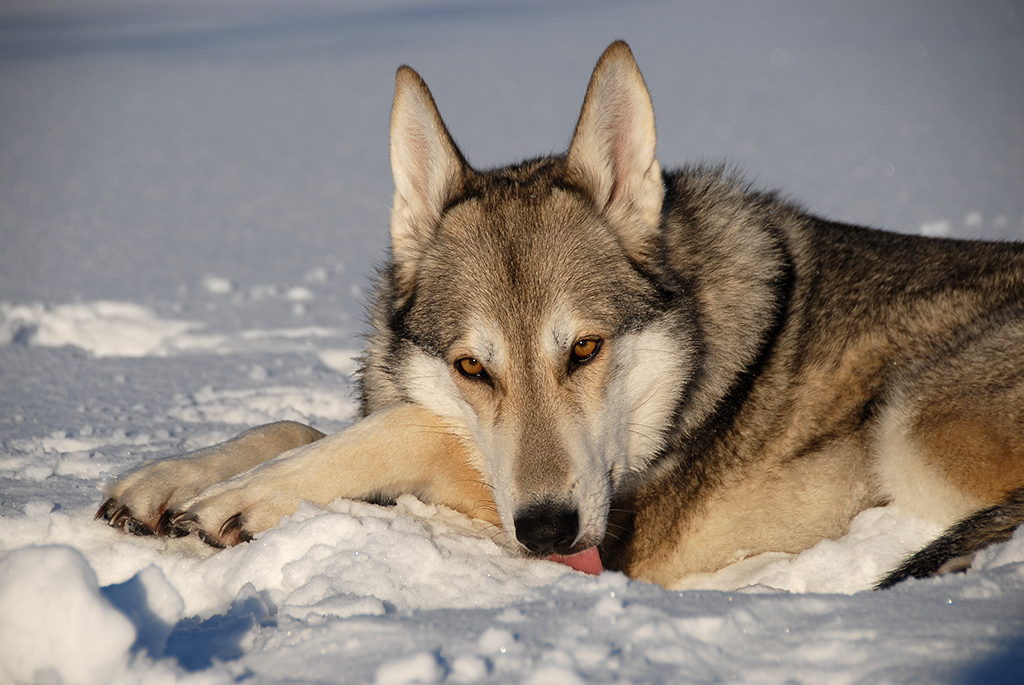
pixel 511 260
pixel 524 254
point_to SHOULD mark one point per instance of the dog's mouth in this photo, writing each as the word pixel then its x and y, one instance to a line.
pixel 588 561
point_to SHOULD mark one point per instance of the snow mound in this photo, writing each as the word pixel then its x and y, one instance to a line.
pixel 57 626
pixel 103 329
pixel 107 329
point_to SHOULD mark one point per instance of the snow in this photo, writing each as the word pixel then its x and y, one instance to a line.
pixel 193 196
pixel 57 626
pixel 104 329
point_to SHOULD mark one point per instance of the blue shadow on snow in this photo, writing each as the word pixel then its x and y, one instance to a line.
pixel 193 642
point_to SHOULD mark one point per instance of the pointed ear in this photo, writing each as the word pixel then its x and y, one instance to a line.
pixel 612 150
pixel 427 166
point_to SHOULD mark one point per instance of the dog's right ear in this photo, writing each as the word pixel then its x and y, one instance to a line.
pixel 427 167
pixel 612 151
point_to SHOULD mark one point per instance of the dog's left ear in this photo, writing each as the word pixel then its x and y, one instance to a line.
pixel 427 167
pixel 612 150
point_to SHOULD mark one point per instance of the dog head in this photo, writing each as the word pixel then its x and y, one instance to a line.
pixel 528 307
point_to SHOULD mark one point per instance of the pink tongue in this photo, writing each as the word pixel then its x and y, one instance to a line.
pixel 587 561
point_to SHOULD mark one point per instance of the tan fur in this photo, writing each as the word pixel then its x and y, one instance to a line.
pixel 147 492
pixel 908 474
pixel 785 508
pixel 371 459
pixel 981 451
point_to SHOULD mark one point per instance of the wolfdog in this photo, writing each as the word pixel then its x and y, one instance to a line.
pixel 661 372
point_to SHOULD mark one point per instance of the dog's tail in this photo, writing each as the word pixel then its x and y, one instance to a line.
pixel 954 550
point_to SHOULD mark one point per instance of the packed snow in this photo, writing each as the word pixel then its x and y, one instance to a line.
pixel 193 197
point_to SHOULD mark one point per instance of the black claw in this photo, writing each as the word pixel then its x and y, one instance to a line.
pixel 185 519
pixel 120 517
pixel 167 525
pixel 211 541
pixel 105 510
pixel 164 522
pixel 232 524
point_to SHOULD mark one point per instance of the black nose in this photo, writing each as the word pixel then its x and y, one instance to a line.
pixel 544 530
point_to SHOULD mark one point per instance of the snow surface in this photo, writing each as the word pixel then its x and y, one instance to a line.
pixel 192 198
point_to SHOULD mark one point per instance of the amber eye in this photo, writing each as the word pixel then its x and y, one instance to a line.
pixel 470 367
pixel 585 349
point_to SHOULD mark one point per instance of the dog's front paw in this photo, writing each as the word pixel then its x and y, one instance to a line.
pixel 136 503
pixel 119 515
pixel 229 534
pixel 162 497
pixel 227 514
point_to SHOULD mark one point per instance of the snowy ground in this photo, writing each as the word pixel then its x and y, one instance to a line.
pixel 192 197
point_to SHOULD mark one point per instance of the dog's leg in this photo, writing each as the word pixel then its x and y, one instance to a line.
pixel 138 502
pixel 402 449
